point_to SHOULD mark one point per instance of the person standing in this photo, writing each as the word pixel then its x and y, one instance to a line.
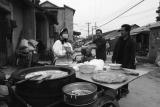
pixel 124 51
pixel 100 44
pixel 108 48
pixel 62 49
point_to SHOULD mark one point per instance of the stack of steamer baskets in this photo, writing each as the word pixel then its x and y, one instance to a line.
pixel 40 94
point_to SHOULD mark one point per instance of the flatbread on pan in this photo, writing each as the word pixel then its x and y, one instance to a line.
pixel 109 77
pixel 54 74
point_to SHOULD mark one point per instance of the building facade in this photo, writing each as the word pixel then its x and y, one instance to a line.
pixel 5 14
pixel 22 19
pixel 154 42
pixel 64 17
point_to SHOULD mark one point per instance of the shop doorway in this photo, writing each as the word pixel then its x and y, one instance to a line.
pixel 3 37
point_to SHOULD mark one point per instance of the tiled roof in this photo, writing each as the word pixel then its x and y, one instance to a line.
pixel 115 33
pixel 140 29
pixel 112 34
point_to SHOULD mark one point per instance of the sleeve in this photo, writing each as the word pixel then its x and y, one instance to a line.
pixel 58 49
pixel 114 56
pixel 133 53
pixel 99 42
pixel 70 47
pixel 94 41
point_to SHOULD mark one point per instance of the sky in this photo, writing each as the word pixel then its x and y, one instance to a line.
pixel 99 12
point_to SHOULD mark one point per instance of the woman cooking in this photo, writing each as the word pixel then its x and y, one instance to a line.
pixel 62 49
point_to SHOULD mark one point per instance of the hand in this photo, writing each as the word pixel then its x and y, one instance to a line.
pixel 68 49
pixel 92 46
pixel 88 49
pixel 84 47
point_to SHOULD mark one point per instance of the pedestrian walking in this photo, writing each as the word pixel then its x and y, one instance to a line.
pixel 107 48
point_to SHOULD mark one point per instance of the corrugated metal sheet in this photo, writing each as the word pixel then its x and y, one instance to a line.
pixel 145 28
pixel 113 35
pixel 153 25
pixel 139 30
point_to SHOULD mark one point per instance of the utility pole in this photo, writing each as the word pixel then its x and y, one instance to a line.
pixel 92 32
pixel 94 28
pixel 88 27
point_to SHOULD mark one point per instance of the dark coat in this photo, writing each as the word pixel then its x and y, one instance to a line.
pixel 101 48
pixel 125 55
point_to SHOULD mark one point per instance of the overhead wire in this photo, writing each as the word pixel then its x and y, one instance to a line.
pixel 139 13
pixel 118 11
pixel 142 21
pixel 122 13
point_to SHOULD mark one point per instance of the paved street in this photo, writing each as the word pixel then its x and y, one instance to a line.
pixel 144 91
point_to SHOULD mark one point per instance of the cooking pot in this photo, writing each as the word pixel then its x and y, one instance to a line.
pixel 46 92
pixel 82 99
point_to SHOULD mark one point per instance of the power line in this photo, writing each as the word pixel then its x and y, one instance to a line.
pixel 94 28
pixel 142 21
pixel 118 11
pixel 139 13
pixel 122 13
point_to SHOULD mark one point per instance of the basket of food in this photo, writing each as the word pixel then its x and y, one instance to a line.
pixel 87 69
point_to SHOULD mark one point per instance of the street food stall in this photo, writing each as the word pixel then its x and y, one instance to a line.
pixel 87 84
pixel 107 76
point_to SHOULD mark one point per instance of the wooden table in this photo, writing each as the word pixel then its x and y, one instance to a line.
pixel 87 77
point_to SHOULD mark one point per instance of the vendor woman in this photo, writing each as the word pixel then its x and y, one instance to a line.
pixel 62 49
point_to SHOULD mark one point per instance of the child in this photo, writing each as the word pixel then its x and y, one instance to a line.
pixel 86 54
